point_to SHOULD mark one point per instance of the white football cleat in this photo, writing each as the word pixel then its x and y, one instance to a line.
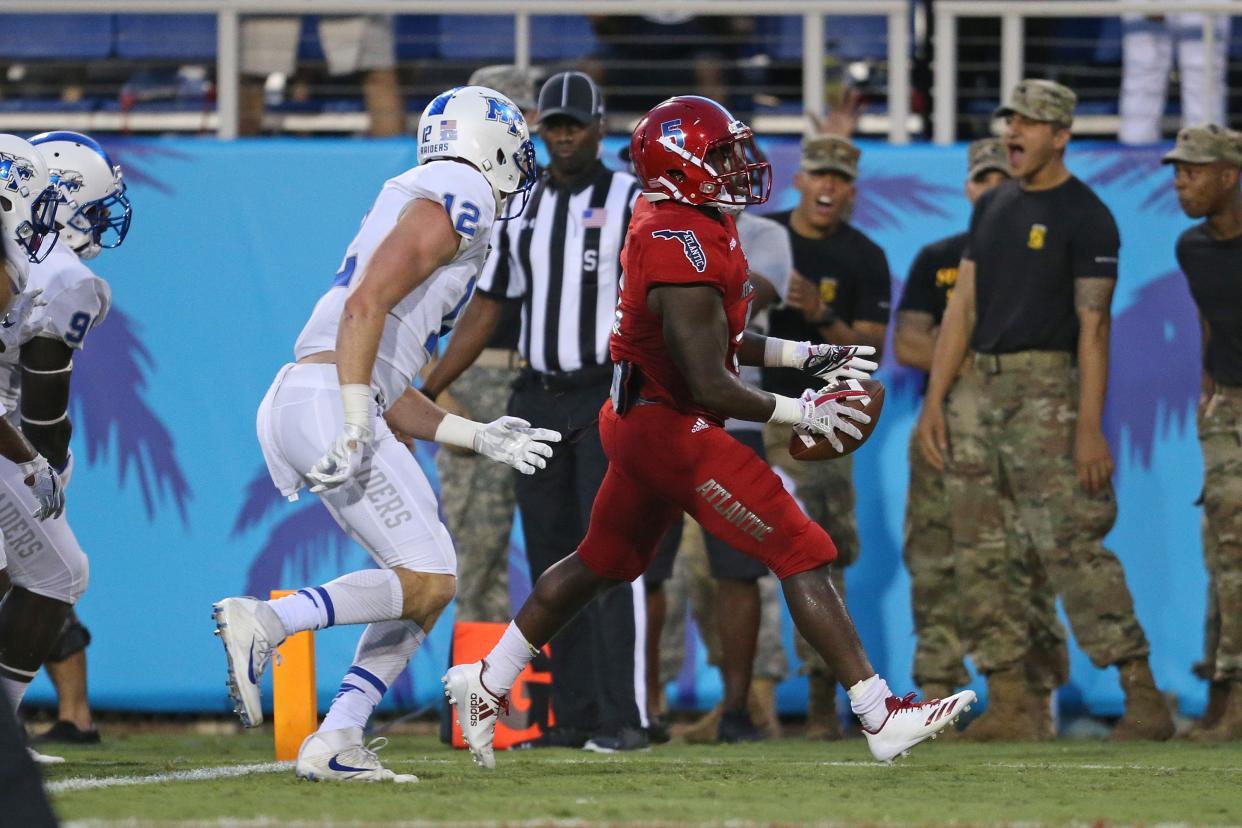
pixel 910 722
pixel 477 708
pixel 250 631
pixel 339 756
pixel 43 758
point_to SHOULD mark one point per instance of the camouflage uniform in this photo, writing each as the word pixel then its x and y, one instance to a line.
pixel 1028 405
pixel 478 501
pixel 994 565
pixel 1220 435
pixel 826 492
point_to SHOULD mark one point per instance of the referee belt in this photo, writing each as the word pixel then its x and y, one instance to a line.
pixel 499 358
pixel 1023 361
pixel 559 381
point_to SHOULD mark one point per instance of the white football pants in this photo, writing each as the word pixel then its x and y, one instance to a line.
pixel 41 556
pixel 389 507
pixel 1147 57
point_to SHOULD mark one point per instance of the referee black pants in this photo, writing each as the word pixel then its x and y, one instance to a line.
pixel 595 658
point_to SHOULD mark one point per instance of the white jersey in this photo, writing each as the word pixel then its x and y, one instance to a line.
pixel 418 321
pixel 77 301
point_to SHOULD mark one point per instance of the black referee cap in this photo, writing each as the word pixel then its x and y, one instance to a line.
pixel 573 95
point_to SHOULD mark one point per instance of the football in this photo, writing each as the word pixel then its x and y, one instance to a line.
pixel 804 446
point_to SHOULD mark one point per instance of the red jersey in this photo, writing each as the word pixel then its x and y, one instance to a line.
pixel 675 244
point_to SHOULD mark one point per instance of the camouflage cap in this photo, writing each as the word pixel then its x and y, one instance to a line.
pixel 825 153
pixel 1041 100
pixel 985 155
pixel 515 83
pixel 1206 144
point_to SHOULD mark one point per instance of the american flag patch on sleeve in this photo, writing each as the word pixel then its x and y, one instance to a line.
pixel 594 217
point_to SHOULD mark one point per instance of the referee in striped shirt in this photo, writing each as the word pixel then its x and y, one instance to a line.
pixel 561 259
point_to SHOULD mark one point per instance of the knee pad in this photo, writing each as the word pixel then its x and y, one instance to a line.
pixel 74 638
pixel 29 627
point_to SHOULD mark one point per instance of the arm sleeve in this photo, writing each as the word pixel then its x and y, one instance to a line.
pixel 1095 245
pixel 465 194
pixel 501 277
pixel 980 206
pixel 919 293
pixel 875 294
pixel 74 311
pixel 680 256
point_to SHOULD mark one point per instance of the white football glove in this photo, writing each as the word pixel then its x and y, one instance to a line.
pixel 512 441
pixel 823 412
pixel 835 362
pixel 46 487
pixel 13 330
pixel 341 462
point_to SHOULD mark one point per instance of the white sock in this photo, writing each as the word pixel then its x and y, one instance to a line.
pixel 15 690
pixel 506 660
pixel 383 652
pixel 867 701
pixel 363 597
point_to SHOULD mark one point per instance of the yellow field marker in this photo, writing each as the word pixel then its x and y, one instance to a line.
pixel 295 708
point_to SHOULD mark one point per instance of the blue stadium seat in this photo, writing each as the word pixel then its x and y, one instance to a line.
pixel 477 37
pixel 418 36
pixel 167 36
pixel 848 37
pixel 555 38
pixel 56 36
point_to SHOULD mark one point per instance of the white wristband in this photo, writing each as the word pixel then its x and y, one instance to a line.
pixel 457 431
pixel 357 400
pixel 788 410
pixel 780 353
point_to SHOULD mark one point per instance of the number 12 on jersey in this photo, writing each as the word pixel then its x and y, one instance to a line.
pixel 467 219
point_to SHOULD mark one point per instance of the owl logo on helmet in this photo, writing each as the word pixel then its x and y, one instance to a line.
pixel 95 212
pixel 692 150
pixel 486 130
pixel 28 202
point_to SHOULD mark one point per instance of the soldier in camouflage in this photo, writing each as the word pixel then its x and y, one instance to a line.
pixel 956 540
pixel 478 498
pixel 1207 161
pixel 1032 300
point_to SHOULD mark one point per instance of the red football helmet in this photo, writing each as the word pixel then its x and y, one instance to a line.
pixel 690 149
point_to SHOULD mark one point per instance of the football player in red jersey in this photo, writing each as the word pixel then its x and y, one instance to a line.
pixel 677 342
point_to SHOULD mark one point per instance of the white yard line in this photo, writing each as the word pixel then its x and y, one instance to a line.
pixel 87 783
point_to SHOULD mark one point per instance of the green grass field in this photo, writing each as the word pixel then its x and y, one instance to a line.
pixel 787 782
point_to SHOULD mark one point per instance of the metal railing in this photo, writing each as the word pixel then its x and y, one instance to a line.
pixel 1013 14
pixel 812 12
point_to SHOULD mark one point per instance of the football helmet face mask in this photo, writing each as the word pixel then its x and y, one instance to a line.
pixel 485 129
pixel 690 149
pixel 28 200
pixel 94 210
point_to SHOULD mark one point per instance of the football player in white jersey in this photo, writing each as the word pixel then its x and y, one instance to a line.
pixel 93 213
pixel 44 587
pixel 328 420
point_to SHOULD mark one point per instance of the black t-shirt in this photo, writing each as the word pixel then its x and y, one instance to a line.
pixel 1028 249
pixel 932 277
pixel 854 280
pixel 1214 271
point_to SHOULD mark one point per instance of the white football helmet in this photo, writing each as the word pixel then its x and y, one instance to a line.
pixel 94 212
pixel 485 129
pixel 28 201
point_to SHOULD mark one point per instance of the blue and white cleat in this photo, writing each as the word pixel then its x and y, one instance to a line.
pixel 250 631
pixel 340 756
pixel 477 708
pixel 910 722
